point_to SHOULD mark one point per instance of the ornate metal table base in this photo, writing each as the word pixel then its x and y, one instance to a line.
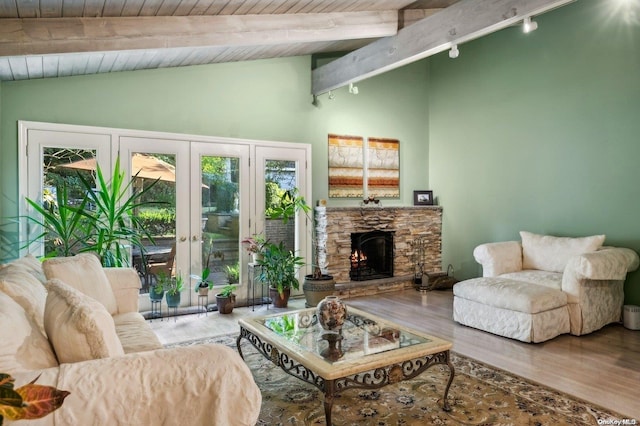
pixel 368 380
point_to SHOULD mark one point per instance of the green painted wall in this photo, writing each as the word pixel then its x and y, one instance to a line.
pixel 266 99
pixel 540 132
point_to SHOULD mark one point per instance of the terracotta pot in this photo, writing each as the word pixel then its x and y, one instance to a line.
pixel 225 304
pixel 278 300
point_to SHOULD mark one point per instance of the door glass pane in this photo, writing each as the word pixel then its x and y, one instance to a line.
pixel 220 213
pixel 62 169
pixel 158 257
pixel 280 177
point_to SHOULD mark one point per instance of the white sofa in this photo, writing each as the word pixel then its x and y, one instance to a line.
pixel 544 286
pixel 102 351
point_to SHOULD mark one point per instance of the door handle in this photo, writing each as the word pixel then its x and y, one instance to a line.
pixel 194 238
pixel 183 238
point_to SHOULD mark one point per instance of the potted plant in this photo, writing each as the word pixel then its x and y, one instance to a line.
pixel 255 246
pixel 173 287
pixel 226 300
pixel 316 285
pixel 156 291
pixel 203 288
pixel 278 271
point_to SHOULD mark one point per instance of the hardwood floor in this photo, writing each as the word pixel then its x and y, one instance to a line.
pixel 602 367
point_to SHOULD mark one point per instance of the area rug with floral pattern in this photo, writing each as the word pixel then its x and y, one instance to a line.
pixel 479 395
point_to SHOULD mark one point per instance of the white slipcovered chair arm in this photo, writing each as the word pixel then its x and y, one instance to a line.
pixel 125 284
pixel 608 263
pixel 499 258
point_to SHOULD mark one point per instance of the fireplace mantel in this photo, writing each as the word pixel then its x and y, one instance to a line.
pixel 408 223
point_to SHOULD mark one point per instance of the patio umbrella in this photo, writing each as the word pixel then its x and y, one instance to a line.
pixel 143 166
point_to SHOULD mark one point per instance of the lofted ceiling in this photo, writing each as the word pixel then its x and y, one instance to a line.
pixel 57 38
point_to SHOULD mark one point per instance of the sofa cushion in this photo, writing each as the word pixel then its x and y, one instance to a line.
pixel 508 294
pixel 22 346
pixel 84 273
pixel 135 334
pixel 544 278
pixel 79 327
pixel 550 253
pixel 26 290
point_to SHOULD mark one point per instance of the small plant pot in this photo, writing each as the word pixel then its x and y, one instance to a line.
pixel 203 291
pixel 155 296
pixel 279 301
pixel 225 304
pixel 173 300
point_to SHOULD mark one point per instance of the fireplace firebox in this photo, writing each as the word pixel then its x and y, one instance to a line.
pixel 371 255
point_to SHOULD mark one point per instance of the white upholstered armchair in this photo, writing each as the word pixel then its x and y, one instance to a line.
pixel 591 276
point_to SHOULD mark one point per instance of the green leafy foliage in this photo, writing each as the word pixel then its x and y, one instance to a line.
pixel 103 221
pixel 227 290
pixel 158 221
pixel 279 267
pixel 64 226
pixel 233 273
pixel 113 219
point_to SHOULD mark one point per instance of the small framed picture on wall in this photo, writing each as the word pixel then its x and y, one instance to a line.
pixel 422 198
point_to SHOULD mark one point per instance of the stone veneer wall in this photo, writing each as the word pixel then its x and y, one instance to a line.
pixel 408 223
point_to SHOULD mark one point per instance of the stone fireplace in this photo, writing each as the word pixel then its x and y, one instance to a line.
pixel 405 224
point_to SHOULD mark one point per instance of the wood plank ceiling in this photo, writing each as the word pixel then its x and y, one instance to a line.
pixel 56 38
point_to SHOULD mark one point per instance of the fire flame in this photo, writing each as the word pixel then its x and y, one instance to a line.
pixel 358 258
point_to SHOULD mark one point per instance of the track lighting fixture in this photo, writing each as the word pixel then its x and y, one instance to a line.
pixel 353 89
pixel 454 52
pixel 528 25
pixel 331 95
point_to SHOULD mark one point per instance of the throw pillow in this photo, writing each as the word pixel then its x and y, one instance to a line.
pixel 83 272
pixel 24 288
pixel 23 347
pixel 549 253
pixel 79 327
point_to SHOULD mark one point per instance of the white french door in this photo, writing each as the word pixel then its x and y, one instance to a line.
pixel 287 169
pixel 219 212
pixel 40 176
pixel 217 188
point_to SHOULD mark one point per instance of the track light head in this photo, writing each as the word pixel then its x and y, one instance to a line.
pixel 454 52
pixel 353 89
pixel 528 25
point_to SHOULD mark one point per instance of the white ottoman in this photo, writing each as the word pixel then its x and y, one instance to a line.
pixel 514 309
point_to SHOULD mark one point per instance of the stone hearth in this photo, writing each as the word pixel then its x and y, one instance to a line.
pixel 408 223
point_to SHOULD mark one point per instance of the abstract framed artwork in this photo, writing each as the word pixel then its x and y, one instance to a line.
pixel 346 166
pixel 359 166
pixel 383 167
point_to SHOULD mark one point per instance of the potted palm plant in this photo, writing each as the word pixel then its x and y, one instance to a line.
pixel 226 300
pixel 278 271
pixel 316 285
pixel 205 285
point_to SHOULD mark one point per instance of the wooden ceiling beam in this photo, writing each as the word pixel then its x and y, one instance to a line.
pixel 37 36
pixel 458 23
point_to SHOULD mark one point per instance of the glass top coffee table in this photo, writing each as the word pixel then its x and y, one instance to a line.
pixel 368 352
